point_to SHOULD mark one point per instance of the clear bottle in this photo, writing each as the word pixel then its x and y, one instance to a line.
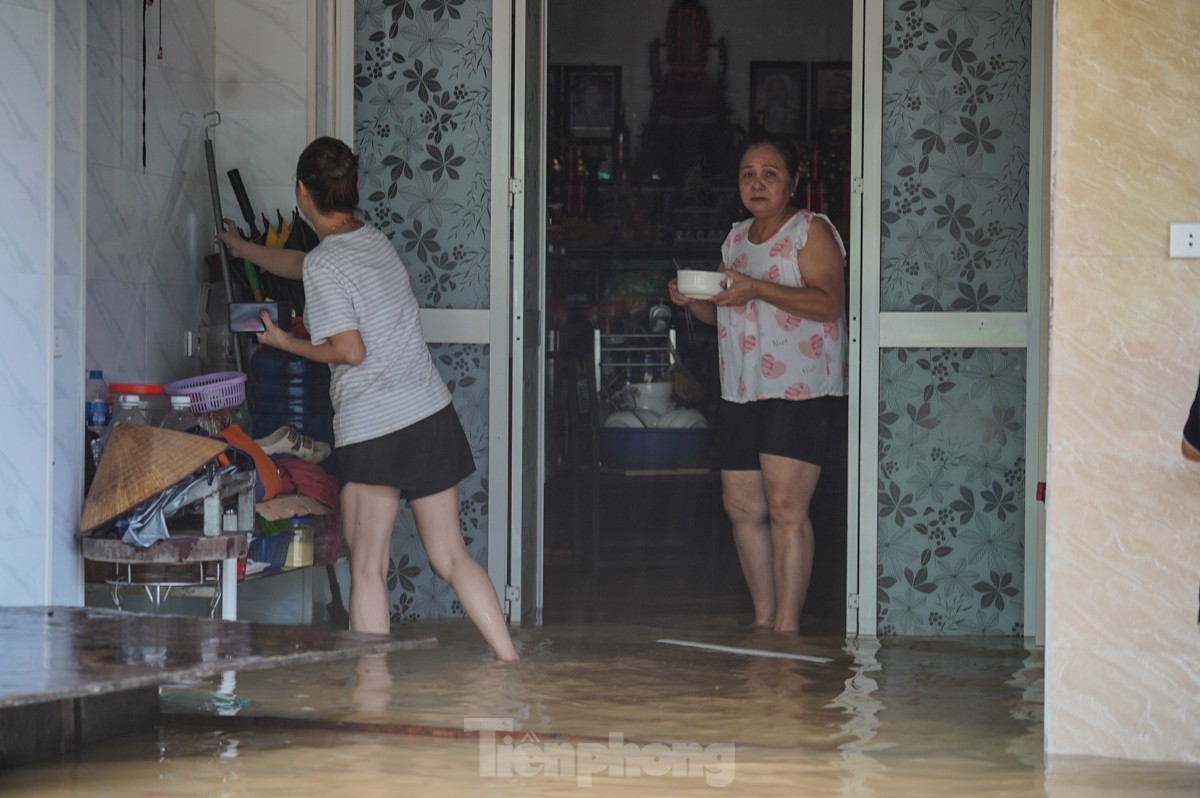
pixel 97 411
pixel 180 417
pixel 97 405
pixel 128 412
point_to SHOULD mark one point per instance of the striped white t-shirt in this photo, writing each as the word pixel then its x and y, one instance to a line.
pixel 356 281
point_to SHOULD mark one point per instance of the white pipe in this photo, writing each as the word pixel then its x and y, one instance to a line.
pixel 753 652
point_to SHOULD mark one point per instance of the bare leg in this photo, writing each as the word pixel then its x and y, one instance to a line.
pixel 368 516
pixel 746 503
pixel 441 534
pixel 789 486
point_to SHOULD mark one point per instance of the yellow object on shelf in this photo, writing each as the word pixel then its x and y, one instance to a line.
pixel 300 550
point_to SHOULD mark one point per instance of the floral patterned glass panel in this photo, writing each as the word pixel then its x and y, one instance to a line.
pixel 422 127
pixel 951 492
pixel 956 80
pixel 415 592
pixel 422 90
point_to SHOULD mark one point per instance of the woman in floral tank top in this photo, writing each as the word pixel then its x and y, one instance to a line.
pixel 781 336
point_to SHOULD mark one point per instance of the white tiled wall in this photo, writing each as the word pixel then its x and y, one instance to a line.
pixel 149 225
pixel 262 91
pixel 106 249
pixel 27 297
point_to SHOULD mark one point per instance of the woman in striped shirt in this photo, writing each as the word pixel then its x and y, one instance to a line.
pixel 396 434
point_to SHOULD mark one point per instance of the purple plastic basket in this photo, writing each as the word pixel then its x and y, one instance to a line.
pixel 211 392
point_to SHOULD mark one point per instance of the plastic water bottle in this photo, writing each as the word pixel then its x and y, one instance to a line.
pixel 97 411
pixel 180 417
pixel 128 411
pixel 97 406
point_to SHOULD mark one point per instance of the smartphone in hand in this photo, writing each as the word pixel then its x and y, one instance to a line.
pixel 246 317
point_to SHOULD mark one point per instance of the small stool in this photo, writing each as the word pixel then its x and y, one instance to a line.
pixel 187 549
pixel 186 557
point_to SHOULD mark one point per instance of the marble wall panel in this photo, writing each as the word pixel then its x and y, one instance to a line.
pixel 1123 556
pixel 68 212
pixel 25 41
pixel 149 227
pixel 24 310
pixel 68 78
pixel 21 574
pixel 24 503
pixel 262 91
pixel 24 172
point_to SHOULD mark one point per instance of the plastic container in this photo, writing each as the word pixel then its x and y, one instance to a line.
pixel 128 411
pixel 180 417
pixel 292 391
pixel 300 550
pixel 211 392
pixel 622 447
pixel 270 549
pixel 97 412
pixel 153 400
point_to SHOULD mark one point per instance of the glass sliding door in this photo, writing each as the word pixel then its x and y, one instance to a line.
pixel 951 321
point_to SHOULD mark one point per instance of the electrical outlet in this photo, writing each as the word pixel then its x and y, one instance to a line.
pixel 1185 239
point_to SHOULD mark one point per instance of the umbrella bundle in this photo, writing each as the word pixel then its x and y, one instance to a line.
pixel 285 234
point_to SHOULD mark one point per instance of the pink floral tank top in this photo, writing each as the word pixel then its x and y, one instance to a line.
pixel 767 353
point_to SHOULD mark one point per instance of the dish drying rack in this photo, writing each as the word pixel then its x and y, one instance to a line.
pixel 630 351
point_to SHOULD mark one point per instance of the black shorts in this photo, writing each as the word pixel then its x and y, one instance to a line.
pixel 422 459
pixel 798 429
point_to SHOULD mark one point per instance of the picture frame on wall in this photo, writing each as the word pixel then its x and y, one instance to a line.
pixel 593 101
pixel 832 93
pixel 779 98
pixel 554 101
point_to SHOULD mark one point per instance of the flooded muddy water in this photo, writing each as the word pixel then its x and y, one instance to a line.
pixel 607 709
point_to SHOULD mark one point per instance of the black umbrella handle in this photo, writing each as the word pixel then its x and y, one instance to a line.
pixel 239 191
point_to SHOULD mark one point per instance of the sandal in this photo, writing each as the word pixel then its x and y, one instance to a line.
pixel 286 440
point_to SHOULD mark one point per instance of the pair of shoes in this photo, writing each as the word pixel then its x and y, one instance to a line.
pixel 287 440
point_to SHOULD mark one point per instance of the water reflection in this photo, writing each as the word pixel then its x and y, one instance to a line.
pixel 921 717
pixel 372 692
pixel 861 770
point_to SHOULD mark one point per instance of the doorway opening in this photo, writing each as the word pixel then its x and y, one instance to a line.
pixel 648 110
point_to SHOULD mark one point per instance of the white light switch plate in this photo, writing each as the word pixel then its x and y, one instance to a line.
pixel 1185 239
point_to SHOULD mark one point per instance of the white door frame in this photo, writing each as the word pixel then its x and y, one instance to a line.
pixel 490 326
pixel 885 330
pixel 524 597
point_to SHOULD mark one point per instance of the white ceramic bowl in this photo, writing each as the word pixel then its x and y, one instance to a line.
pixel 654 396
pixel 699 284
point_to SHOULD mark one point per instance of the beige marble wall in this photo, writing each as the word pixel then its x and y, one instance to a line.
pixel 1123 533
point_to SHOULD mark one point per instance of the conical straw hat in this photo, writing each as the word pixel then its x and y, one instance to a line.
pixel 138 462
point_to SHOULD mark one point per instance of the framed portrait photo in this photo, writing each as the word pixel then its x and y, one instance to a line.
pixel 832 96
pixel 779 98
pixel 593 100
